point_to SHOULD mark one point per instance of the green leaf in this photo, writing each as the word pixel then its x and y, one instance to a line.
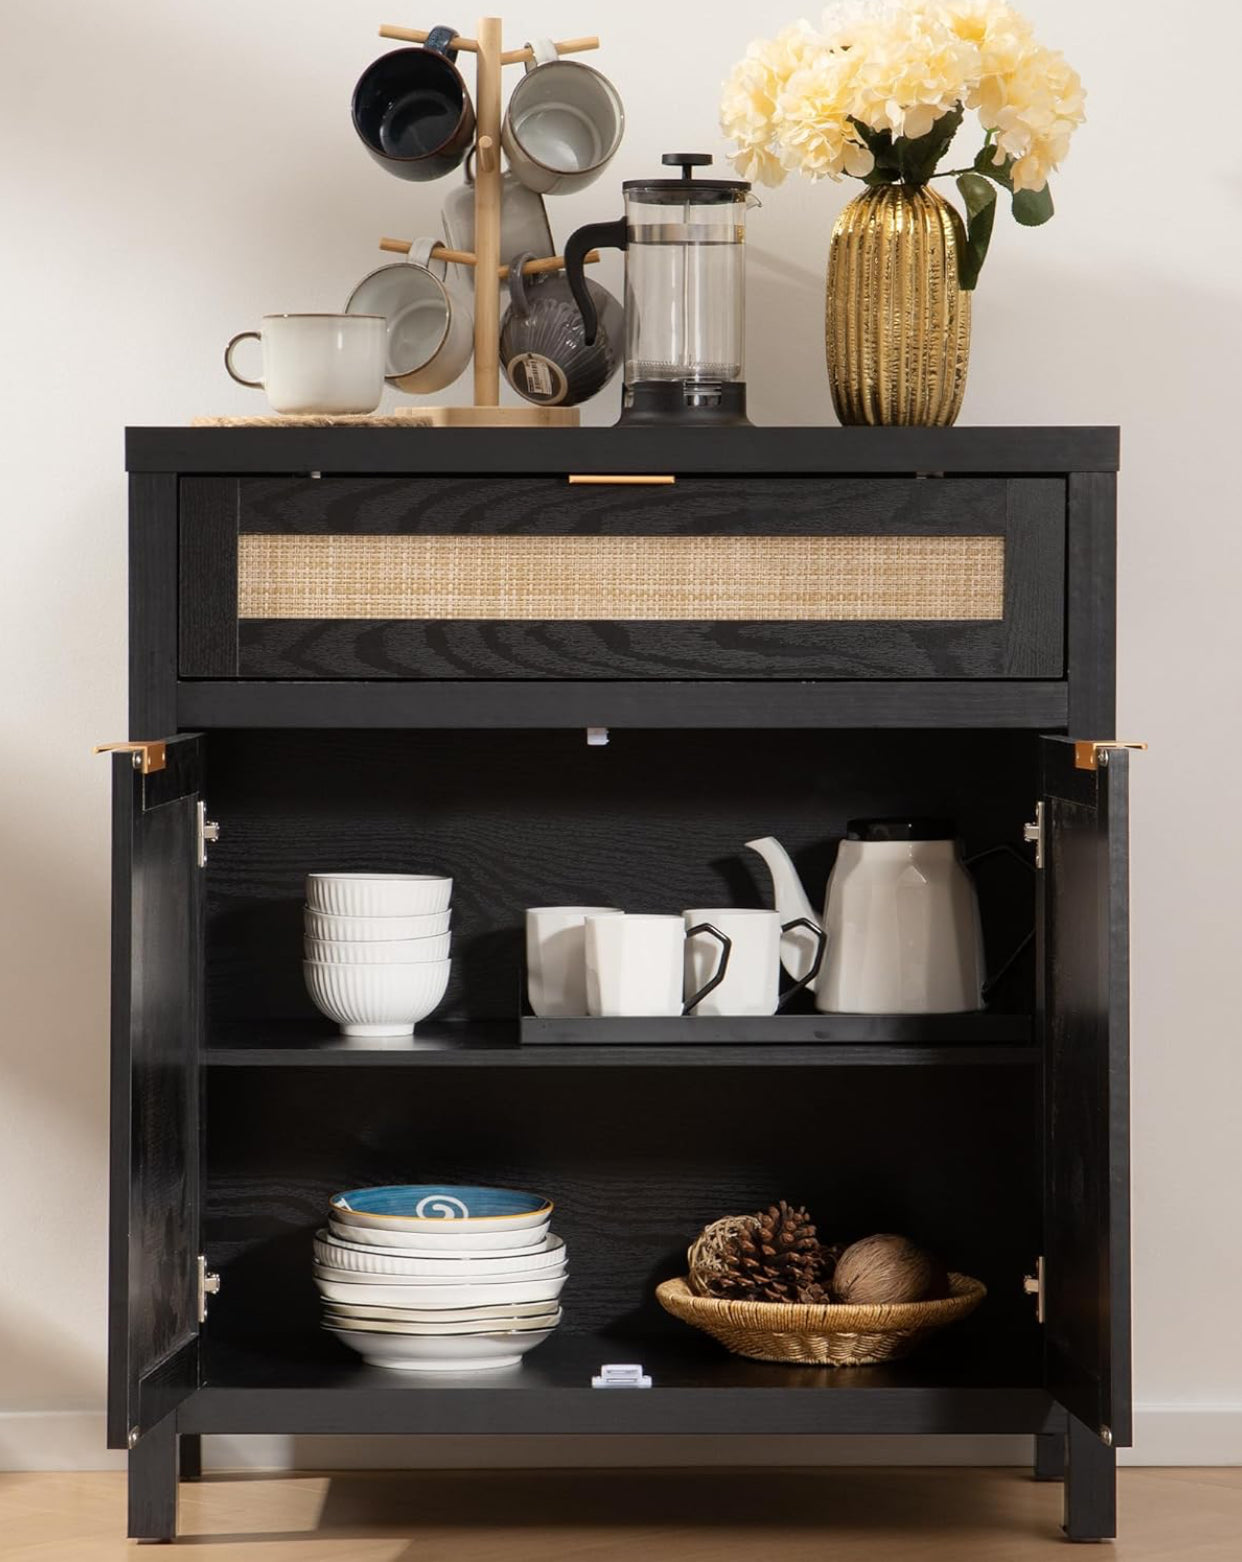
pixel 1031 208
pixel 979 198
pixel 918 158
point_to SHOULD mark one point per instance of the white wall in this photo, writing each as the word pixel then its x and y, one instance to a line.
pixel 169 172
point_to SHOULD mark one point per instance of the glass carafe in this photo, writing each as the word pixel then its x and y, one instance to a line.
pixel 685 293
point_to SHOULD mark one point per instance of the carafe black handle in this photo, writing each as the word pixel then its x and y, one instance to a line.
pixel 726 949
pixel 811 927
pixel 1011 854
pixel 596 235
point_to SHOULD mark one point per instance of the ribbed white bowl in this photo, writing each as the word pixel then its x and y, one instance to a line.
pixel 438 1330
pixel 387 1291
pixel 498 1317
pixel 395 951
pixel 376 1000
pixel 378 894
pixel 475 1266
pixel 356 930
pixel 456 1241
pixel 465 1353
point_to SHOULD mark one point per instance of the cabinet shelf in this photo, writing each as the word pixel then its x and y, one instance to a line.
pixel 958 1384
pixel 846 1040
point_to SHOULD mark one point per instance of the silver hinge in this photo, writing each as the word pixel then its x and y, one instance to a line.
pixel 208 1285
pixel 1033 1285
pixel 1033 834
pixel 208 831
pixel 619 1375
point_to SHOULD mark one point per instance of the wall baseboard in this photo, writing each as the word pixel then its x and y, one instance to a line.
pixel 74 1440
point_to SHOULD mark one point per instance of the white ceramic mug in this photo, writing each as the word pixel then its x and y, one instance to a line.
pixel 428 321
pixel 635 965
pixel 556 958
pixel 321 364
pixel 524 226
pixel 751 985
pixel 563 125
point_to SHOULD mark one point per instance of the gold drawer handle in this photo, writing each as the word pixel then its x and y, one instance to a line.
pixel 148 757
pixel 622 479
pixel 1091 755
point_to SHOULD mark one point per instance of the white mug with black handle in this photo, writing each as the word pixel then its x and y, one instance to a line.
pixel 635 965
pixel 752 983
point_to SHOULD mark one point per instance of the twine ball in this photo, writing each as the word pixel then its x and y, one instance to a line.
pixel 885 1269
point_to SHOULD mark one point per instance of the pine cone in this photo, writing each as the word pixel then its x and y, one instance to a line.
pixel 775 1257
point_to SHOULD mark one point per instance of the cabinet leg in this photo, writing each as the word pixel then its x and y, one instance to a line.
pixel 153 1483
pixel 190 1453
pixel 1049 1456
pixel 1090 1485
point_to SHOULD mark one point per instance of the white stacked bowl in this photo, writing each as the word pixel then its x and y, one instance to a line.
pixel 410 1282
pixel 377 949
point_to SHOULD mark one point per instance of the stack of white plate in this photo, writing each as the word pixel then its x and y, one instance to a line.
pixel 431 1278
pixel 377 949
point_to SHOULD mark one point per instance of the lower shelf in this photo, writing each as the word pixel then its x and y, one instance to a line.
pixel 993 1387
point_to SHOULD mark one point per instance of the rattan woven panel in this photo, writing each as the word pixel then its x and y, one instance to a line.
pixel 602 579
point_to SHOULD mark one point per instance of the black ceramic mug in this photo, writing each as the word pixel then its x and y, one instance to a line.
pixel 412 110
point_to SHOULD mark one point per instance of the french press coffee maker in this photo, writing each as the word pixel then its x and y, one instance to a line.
pixel 685 299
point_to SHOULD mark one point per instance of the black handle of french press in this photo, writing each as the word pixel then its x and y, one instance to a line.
pixel 687 162
pixel 596 235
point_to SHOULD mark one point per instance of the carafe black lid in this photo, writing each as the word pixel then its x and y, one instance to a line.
pixel 901 830
pixel 688 188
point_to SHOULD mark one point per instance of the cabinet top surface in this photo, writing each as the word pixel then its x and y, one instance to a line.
pixel 802 450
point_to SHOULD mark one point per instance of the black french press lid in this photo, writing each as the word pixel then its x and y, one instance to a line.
pixel 900 830
pixel 688 188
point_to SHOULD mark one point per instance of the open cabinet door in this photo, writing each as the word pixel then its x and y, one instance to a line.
pixel 157 967
pixel 1083 999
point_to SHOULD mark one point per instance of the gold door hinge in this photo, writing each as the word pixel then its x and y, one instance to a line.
pixel 208 1285
pixel 1033 834
pixel 1090 755
pixel 208 830
pixel 1033 1285
pixel 148 757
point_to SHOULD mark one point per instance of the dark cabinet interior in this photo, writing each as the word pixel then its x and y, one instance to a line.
pixel 996 1138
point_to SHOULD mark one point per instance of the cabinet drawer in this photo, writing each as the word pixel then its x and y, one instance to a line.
pixel 534 577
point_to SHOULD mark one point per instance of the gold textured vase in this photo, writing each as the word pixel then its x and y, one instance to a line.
pixel 898 326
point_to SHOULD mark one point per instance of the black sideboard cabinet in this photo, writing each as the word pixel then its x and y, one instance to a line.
pixel 379 649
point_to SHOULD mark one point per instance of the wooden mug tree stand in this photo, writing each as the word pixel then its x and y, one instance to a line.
pixel 492 57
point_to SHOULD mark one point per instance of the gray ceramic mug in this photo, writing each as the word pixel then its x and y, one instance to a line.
pixel 543 344
pixel 564 123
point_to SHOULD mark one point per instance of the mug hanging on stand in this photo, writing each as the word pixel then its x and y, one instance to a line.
pixel 543 347
pixel 564 123
pixel 524 225
pixel 326 365
pixel 429 321
pixel 412 109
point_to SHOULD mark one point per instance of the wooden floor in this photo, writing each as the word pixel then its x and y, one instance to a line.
pixel 843 1514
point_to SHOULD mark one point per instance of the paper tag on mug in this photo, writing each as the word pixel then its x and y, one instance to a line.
pixel 538 379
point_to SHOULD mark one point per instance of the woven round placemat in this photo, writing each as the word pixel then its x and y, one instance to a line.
pixel 832 1335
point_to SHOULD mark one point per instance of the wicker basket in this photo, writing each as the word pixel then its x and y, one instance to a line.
pixel 835 1335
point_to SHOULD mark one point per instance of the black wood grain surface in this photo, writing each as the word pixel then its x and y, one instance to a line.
pixel 156 1037
pixel 1084 1019
pixel 1027 641
pixel 673 449
pixel 466 505
pixel 653 704
pixel 1091 623
pixel 152 606
pixel 655 821
pixel 635 1170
